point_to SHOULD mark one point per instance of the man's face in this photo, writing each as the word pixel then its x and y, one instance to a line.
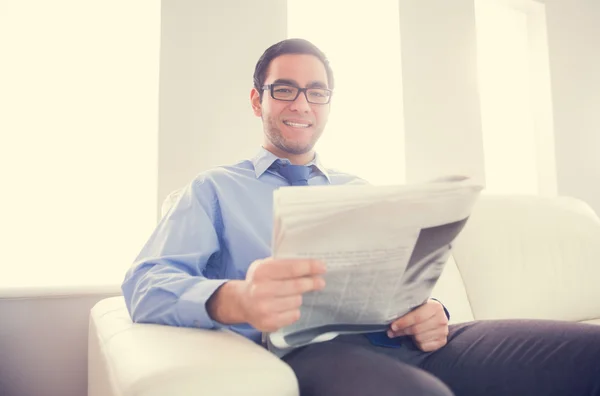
pixel 292 127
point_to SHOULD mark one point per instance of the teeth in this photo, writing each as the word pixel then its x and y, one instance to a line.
pixel 296 125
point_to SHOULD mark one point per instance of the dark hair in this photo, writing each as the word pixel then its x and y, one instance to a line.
pixel 289 46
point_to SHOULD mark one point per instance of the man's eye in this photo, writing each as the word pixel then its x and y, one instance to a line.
pixel 283 90
pixel 318 94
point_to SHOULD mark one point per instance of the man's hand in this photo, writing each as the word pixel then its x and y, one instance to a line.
pixel 427 325
pixel 271 295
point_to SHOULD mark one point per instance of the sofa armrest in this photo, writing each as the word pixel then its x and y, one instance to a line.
pixel 127 359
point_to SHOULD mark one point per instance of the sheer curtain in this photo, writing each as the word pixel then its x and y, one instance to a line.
pixel 365 133
pixel 79 128
pixel 516 107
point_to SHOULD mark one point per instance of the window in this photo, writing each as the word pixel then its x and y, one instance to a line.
pixel 365 132
pixel 78 150
pixel 515 97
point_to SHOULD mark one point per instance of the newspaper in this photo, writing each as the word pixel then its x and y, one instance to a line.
pixel 384 247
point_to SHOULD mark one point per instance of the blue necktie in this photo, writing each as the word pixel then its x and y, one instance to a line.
pixel 297 175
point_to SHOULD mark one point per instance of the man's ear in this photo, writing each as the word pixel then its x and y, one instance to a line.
pixel 255 101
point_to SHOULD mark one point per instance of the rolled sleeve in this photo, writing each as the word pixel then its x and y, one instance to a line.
pixel 191 307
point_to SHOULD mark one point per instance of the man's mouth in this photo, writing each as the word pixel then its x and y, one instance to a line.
pixel 297 124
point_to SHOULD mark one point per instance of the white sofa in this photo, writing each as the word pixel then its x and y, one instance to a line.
pixel 518 257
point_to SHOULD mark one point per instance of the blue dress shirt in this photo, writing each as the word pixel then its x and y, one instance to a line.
pixel 219 225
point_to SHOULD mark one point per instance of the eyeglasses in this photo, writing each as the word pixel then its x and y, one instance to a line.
pixel 289 93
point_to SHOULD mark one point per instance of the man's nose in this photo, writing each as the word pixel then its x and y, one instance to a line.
pixel 301 104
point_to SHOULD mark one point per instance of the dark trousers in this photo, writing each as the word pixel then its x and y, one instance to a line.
pixel 482 358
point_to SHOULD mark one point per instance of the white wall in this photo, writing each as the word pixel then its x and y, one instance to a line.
pixel 574 50
pixel 44 340
pixel 441 99
pixel 208 53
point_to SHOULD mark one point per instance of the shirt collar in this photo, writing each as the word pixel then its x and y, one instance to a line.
pixel 264 159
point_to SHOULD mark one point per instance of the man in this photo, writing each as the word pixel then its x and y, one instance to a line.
pixel 207 265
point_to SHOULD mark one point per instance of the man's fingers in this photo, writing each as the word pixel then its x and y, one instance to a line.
pixel 288 287
pixel 287 268
pixel 418 316
pixel 282 304
pixel 298 285
pixel 430 324
pixel 275 287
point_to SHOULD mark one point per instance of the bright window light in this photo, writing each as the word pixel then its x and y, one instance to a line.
pixel 79 132
pixel 515 97
pixel 365 133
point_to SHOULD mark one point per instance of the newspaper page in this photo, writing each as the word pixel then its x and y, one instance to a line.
pixel 384 247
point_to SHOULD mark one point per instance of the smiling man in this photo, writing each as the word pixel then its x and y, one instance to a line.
pixel 292 125
pixel 208 265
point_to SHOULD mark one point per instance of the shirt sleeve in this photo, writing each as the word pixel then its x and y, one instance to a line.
pixel 165 284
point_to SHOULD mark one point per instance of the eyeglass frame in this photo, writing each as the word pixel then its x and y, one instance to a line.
pixel 300 90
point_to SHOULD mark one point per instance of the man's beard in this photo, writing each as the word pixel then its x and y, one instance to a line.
pixel 276 138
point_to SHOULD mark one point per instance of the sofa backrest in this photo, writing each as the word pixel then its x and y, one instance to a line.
pixel 530 257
